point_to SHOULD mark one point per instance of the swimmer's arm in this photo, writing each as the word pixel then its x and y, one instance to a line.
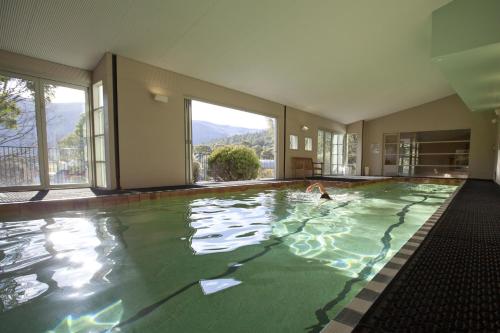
pixel 320 187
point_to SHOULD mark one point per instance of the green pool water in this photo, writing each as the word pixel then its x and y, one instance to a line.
pixel 270 261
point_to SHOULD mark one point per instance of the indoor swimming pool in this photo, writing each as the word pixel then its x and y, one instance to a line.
pixel 269 261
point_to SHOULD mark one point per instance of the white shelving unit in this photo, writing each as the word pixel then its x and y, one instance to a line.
pixel 427 154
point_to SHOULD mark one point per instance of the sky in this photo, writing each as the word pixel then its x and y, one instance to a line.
pixel 227 116
pixel 68 95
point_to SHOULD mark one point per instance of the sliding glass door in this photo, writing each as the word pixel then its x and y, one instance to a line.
pixel 66 134
pixel 331 152
pixel 43 134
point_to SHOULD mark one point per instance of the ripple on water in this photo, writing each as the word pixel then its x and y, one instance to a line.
pixel 15 291
pixel 225 225
pixel 22 244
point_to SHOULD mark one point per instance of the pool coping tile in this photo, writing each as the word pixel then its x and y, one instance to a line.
pixel 346 321
pixel 123 199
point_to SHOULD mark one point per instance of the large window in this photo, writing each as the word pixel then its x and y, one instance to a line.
pixel 331 152
pixel 242 144
pixel 43 133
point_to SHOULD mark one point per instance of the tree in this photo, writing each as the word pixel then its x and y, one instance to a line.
pixel 14 94
pixel 202 149
pixel 76 139
pixel 268 154
pixel 258 149
pixel 196 171
pixel 233 163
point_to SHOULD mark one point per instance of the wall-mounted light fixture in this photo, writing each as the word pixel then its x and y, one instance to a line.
pixel 304 128
pixel 160 98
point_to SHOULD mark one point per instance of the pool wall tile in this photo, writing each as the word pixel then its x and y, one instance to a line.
pixel 336 327
pixel 80 204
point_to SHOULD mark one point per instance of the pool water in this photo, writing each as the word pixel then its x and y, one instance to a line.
pixel 270 261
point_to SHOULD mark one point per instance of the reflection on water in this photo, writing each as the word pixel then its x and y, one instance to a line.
pixel 345 233
pixel 22 244
pixel 102 321
pixel 212 286
pixel 75 242
pixel 223 225
pixel 15 291
pixel 75 250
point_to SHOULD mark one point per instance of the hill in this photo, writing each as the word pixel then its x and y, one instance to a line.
pixel 205 132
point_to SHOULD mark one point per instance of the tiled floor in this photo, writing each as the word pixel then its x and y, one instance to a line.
pixel 452 282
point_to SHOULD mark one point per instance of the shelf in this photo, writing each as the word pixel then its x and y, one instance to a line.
pixel 436 166
pixel 423 154
pixel 450 141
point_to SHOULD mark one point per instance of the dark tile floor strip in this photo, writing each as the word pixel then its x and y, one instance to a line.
pixel 452 282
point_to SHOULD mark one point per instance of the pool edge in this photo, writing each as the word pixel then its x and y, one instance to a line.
pixel 349 317
pixel 29 208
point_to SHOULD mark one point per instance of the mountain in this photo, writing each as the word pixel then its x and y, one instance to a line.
pixel 204 131
pixel 61 119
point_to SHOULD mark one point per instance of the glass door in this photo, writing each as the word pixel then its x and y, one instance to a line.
pixel 331 152
pixel 390 158
pixel 20 161
pixel 66 135
pixel 352 154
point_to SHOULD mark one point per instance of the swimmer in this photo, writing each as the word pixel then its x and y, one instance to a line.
pixel 321 188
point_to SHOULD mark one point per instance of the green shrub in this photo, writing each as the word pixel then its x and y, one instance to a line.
pixel 233 163
pixel 196 171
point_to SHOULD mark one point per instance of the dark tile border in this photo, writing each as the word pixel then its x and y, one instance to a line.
pixel 350 316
